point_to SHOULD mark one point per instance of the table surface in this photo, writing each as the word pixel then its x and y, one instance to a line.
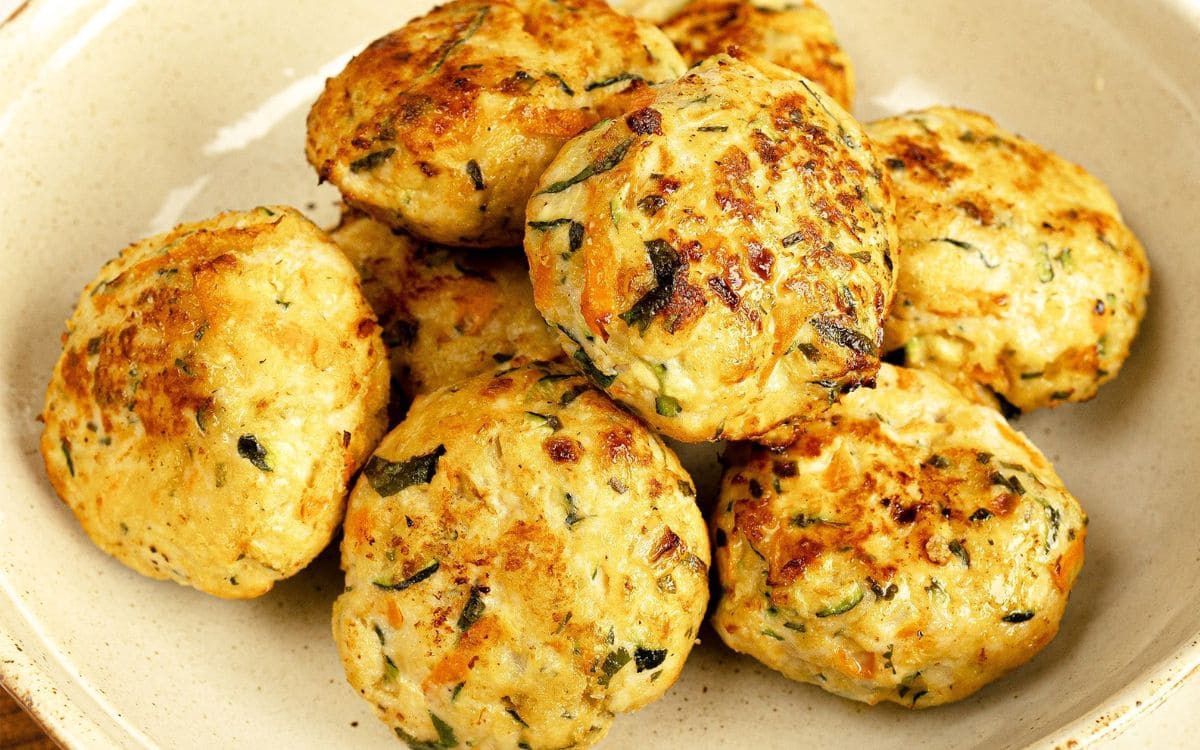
pixel 17 730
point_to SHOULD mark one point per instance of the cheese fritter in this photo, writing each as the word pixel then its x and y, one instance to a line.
pixel 1019 275
pixel 720 258
pixel 523 560
pixel 219 385
pixel 910 547
pixel 798 36
pixel 446 313
pixel 442 127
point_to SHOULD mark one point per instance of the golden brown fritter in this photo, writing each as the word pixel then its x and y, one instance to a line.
pixel 523 560
pixel 447 313
pixel 442 127
pixel 910 547
pixel 218 387
pixel 798 36
pixel 719 259
pixel 1018 273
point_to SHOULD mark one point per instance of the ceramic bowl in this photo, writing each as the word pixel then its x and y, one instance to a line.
pixel 120 118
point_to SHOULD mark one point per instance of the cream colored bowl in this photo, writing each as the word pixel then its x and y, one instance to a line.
pixel 119 119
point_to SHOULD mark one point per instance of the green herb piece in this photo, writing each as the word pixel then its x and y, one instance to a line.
pixel 842 336
pixel 862 257
pixel 614 79
pixel 183 367
pixel 412 580
pixel 1018 617
pixel 561 83
pixel 799 627
pixel 457 689
pixel 603 164
pixel 389 477
pixel 1011 483
pixel 666 263
pixel 772 634
pixel 571 394
pixel 666 406
pixel 573 516
pixel 844 606
pixel 472 610
pixel 792 239
pixel 613 663
pixel 501 358
pixel 810 352
pixel 971 248
pixel 574 237
pixel 887 593
pixel 959 550
pixel 445 732
pixel 803 521
pixel 476 175
pixel 390 670
pixel 1045 267
pixel 648 658
pixel 371 160
pixel 467 34
pixel 938 462
pixel 93 346
pixel 253 451
pixel 542 226
pixel 65 445
pixel 1053 520
pixel 545 420
pixel 713 129
pixel 887 658
pixel 590 369
pixel 980 514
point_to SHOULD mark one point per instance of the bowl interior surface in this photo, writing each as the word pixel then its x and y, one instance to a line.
pixel 119 119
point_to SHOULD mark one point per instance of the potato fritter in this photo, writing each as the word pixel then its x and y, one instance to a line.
pixel 523 560
pixel 720 258
pixel 442 127
pixel 1018 274
pixel 910 547
pixel 218 387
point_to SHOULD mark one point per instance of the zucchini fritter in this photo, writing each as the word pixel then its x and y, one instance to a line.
pixel 720 258
pixel 523 560
pixel 218 387
pixel 442 127
pixel 1018 274
pixel 910 546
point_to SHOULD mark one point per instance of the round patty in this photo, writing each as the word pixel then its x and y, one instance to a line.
pixel 719 259
pixel 442 127
pixel 1019 276
pixel 798 36
pixel 219 385
pixel 447 313
pixel 523 560
pixel 910 547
